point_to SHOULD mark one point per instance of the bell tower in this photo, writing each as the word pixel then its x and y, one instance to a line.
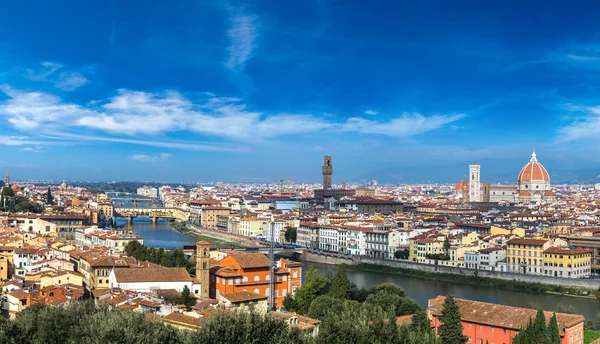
pixel 202 266
pixel 327 172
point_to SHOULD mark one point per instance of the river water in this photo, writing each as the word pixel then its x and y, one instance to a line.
pixel 421 290
pixel 159 234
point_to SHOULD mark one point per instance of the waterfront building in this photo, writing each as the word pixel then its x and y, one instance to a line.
pixel 484 322
pixel 251 227
pixel 567 263
pixel 249 272
pixel 210 214
pixel 308 235
pixel 148 191
pixel 332 238
pixel 525 255
pixel 587 241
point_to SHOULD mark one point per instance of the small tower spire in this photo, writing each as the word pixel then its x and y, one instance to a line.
pixel 533 157
pixel 6 180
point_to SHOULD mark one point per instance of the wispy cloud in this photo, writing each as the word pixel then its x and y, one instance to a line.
pixel 133 112
pixel 71 81
pixel 192 146
pixel 242 34
pixel 406 125
pixel 55 73
pixel 371 112
pixel 150 158
pixel 583 58
pixel 584 126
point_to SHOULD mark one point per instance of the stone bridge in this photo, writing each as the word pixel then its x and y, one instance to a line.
pixel 154 214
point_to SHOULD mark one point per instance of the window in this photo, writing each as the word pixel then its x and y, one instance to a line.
pixel 256 278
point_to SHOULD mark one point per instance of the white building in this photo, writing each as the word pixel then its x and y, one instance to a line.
pixel 489 258
pixel 274 230
pixel 151 278
pixel 332 238
pixel 147 191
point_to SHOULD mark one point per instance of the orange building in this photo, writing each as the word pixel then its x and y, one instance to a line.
pixel 250 272
pixel 210 214
pixel 498 324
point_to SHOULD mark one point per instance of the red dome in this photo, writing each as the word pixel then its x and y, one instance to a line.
pixel 524 194
pixel 534 171
pixel 459 186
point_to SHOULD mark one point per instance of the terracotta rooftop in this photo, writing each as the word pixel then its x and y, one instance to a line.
pixel 523 241
pixel 502 316
pixel 250 260
pixel 152 274
pixel 242 296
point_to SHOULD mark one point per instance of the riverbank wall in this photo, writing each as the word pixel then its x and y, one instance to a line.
pixel 579 283
pixel 326 259
pixel 220 235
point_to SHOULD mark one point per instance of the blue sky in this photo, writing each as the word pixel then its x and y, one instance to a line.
pixel 225 90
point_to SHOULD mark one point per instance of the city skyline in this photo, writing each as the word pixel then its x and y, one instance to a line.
pixel 222 91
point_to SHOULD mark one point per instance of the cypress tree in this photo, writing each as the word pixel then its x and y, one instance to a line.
pixel 420 323
pixel 340 286
pixel 553 330
pixel 451 331
pixel 539 333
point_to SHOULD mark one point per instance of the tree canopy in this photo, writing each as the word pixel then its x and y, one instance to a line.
pixel 451 331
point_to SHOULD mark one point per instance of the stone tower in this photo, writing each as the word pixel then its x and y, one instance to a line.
pixel 327 172
pixel 202 266
pixel 6 180
pixel 474 183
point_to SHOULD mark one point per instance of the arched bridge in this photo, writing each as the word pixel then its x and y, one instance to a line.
pixel 154 214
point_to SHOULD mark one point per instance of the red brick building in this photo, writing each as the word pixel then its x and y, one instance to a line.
pixel 498 324
pixel 250 272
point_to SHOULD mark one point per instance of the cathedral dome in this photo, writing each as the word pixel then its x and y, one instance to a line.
pixel 533 171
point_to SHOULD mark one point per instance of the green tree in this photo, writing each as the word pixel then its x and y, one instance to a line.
pixel 447 246
pixel 340 285
pixel 401 254
pixel 553 330
pixel 389 288
pixel 246 327
pixel 322 305
pixel 291 234
pixel 49 197
pixel 7 192
pixel 420 323
pixel 539 332
pixel 289 303
pixel 187 299
pixel 314 285
pixel 451 331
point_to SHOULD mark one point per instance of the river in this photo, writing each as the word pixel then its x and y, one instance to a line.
pixel 421 290
pixel 159 234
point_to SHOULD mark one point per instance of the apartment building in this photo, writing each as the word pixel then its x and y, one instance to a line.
pixel 525 255
pixel 567 263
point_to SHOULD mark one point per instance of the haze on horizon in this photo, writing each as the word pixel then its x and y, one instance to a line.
pixel 220 91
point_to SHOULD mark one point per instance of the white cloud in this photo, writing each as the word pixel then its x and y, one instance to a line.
pixel 584 127
pixel 71 81
pixel 406 125
pixel 370 112
pixel 65 80
pixel 150 158
pixel 242 33
pixel 583 57
pixel 131 113
pixel 48 68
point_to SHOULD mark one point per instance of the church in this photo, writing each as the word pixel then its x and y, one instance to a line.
pixel 533 186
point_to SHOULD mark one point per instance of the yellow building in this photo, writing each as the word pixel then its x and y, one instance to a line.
pixel 419 249
pixel 251 226
pixel 63 277
pixel 568 263
pixel 520 232
pixel 525 255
